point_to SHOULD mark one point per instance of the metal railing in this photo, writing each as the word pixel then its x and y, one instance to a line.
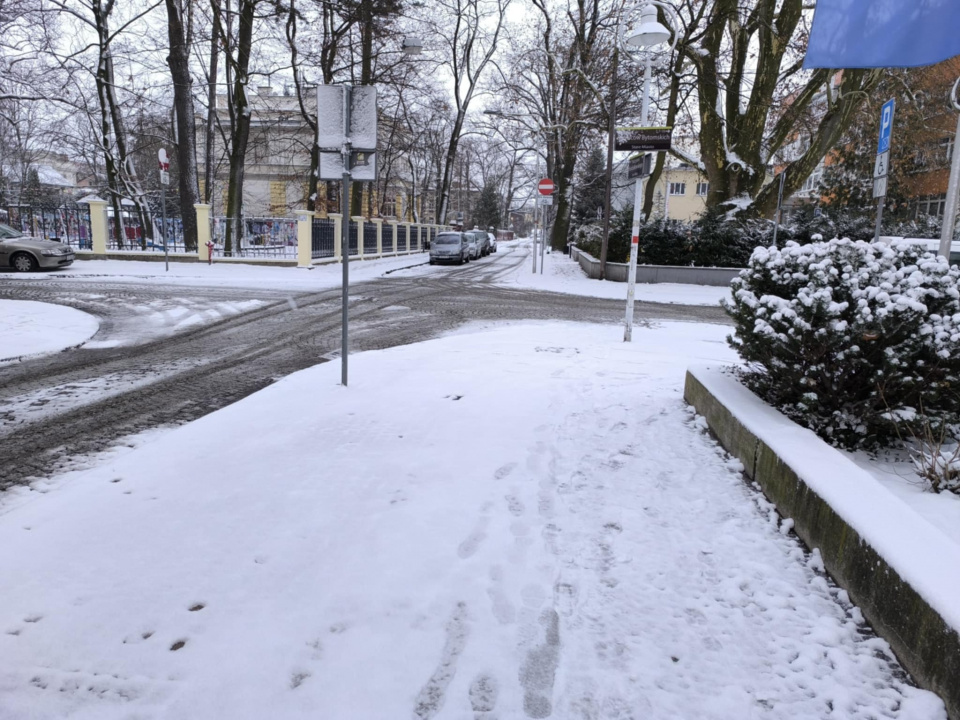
pixel 388 238
pixel 369 238
pixel 401 238
pixel 266 237
pixel 323 238
pixel 352 244
pixel 63 223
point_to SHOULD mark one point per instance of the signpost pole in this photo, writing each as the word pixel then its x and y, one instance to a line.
pixel 345 235
pixel 635 229
pixel 164 181
pixel 163 210
pixel 881 168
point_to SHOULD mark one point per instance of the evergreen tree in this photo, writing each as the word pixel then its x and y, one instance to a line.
pixel 486 214
pixel 590 193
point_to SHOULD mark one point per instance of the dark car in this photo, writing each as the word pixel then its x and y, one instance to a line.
pixel 25 254
pixel 450 247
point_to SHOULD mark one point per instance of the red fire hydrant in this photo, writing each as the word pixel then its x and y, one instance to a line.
pixel 209 253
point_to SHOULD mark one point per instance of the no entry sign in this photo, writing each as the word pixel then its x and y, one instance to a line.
pixel 546 186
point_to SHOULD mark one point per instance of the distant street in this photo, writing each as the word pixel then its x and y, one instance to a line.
pixel 56 408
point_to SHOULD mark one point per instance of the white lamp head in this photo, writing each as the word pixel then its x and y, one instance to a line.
pixel 650 32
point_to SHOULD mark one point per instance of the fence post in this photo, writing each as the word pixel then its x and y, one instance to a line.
pixel 203 231
pixel 379 223
pixel 337 239
pixel 392 228
pixel 304 239
pixel 359 221
pixel 98 224
pixel 409 231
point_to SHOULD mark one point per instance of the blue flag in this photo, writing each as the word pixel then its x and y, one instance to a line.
pixel 883 33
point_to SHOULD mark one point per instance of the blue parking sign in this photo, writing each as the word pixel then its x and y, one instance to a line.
pixel 886 125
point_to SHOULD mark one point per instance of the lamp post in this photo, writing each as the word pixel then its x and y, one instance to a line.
pixel 536 199
pixel 647 35
pixel 953 186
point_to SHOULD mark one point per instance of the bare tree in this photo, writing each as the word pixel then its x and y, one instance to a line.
pixel 180 34
pixel 470 31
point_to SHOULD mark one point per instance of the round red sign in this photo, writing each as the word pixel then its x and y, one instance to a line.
pixel 546 186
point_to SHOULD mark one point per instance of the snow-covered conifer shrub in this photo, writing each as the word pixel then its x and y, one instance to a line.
pixel 851 339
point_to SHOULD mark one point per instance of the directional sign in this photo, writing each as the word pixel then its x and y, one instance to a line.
pixel 880 187
pixel 546 186
pixel 882 165
pixel 639 166
pixel 644 139
pixel 886 126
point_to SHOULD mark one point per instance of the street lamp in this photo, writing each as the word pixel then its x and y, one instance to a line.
pixel 536 200
pixel 647 35
pixel 953 185
pixel 412 46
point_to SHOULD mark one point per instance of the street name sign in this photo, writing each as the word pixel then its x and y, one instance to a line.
pixel 644 139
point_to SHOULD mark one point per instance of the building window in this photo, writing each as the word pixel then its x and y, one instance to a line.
pixel 678 188
pixel 812 183
pixel 946 145
pixel 703 188
pixel 932 205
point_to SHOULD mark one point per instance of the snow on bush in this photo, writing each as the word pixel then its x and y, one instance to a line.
pixel 859 342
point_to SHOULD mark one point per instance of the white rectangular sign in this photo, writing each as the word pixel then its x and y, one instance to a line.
pixel 363 117
pixel 364 168
pixel 882 165
pixel 547 200
pixel 880 187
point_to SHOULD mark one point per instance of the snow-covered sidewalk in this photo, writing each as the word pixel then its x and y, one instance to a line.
pixel 520 522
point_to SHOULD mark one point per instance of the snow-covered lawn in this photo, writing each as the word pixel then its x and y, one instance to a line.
pixel 36 328
pixel 519 522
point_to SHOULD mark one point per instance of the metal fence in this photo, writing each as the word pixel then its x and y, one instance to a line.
pixel 401 238
pixel 369 238
pixel 352 243
pixel 323 238
pixel 387 236
pixel 266 237
pixel 63 223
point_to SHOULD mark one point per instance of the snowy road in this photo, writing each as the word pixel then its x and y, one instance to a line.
pixel 524 522
pixel 167 354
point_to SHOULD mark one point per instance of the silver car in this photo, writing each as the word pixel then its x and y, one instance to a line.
pixel 26 254
pixel 476 239
pixel 449 247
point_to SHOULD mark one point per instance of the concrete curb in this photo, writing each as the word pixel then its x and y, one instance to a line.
pixel 926 645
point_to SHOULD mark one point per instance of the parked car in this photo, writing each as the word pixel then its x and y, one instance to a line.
pixel 26 254
pixel 484 241
pixel 476 244
pixel 493 242
pixel 450 247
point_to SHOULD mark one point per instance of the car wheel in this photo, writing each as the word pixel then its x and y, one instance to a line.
pixel 24 262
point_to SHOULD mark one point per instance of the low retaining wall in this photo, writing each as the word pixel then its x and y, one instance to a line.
pixel 888 586
pixel 618 272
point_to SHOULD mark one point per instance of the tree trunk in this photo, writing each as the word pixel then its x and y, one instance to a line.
pixel 209 171
pixel 240 134
pixel 179 62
